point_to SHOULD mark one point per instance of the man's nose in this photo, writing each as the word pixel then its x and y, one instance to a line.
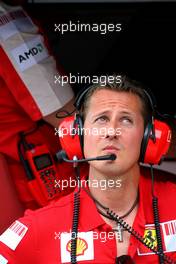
pixel 112 130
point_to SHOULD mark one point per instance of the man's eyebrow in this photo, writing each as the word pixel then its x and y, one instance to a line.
pixel 123 112
pixel 128 112
pixel 100 113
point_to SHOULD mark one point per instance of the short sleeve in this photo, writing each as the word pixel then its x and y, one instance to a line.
pixel 18 242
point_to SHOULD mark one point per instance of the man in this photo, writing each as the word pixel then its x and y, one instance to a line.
pixel 28 94
pixel 44 237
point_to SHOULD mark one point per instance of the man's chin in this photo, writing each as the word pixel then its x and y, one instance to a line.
pixel 108 169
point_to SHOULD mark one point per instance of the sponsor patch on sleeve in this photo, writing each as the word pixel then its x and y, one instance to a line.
pixel 3 260
pixel 30 53
pixel 169 233
pixel 13 235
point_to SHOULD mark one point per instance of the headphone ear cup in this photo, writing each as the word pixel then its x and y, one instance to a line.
pixel 71 139
pixel 147 132
pixel 152 150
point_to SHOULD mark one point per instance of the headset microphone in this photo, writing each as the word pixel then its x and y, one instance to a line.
pixel 61 155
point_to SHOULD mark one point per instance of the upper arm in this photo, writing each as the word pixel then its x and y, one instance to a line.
pixel 29 70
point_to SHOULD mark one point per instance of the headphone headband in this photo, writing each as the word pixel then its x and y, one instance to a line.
pixel 81 95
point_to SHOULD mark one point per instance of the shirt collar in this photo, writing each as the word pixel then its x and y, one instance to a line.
pixel 91 219
pixel 89 216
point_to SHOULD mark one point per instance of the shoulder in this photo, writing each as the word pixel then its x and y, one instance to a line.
pixel 61 206
pixel 56 214
pixel 160 177
pixel 36 227
pixel 164 190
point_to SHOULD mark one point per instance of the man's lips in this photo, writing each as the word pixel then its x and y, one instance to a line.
pixel 111 148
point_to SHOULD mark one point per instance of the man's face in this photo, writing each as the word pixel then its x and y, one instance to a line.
pixel 113 125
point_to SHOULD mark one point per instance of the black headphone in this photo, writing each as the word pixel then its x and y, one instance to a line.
pixel 156 138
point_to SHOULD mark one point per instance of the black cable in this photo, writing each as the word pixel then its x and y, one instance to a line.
pixel 25 163
pixel 64 111
pixel 156 220
pixel 75 221
pixel 157 228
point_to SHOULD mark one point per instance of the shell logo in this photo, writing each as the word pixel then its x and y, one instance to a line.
pixel 81 246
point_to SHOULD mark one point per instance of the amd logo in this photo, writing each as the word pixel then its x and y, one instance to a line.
pixel 32 52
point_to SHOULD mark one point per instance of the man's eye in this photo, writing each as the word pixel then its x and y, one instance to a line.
pixel 101 119
pixel 126 120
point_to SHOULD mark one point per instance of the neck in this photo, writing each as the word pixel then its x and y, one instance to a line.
pixel 120 197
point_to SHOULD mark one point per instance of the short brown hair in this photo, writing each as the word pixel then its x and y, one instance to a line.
pixel 126 85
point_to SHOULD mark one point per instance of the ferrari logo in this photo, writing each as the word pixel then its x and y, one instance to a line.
pixel 150 237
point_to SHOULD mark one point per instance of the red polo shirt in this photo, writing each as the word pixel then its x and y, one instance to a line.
pixel 43 236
